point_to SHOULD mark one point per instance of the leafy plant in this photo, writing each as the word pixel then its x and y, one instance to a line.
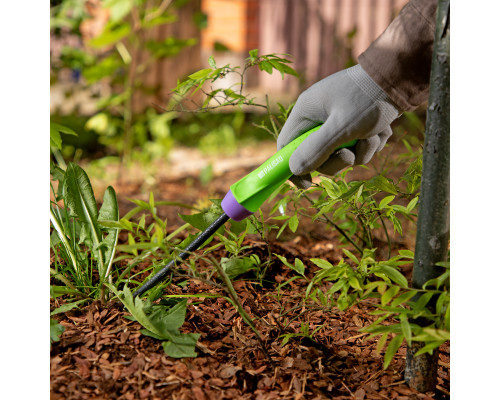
pixel 382 280
pixel 77 232
pixel 148 238
pixel 233 96
pixel 304 333
pixel 161 322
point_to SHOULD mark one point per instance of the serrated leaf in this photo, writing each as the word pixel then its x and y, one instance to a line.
pixel 161 322
pixel 135 306
pixel 181 345
pixel 203 220
pixel 169 319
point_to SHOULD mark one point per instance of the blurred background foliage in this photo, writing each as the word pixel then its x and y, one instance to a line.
pixel 114 63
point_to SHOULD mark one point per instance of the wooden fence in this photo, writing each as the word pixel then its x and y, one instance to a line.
pixel 323 36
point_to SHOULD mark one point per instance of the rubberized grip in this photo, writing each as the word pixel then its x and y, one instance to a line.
pixel 250 192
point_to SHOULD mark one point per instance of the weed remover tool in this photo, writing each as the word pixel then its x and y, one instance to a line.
pixel 243 199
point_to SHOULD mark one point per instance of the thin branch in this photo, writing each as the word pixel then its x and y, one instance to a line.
pixel 236 302
pixel 159 11
pixel 338 228
pixel 386 234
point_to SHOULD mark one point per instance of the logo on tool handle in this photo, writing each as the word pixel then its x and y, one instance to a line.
pixel 270 166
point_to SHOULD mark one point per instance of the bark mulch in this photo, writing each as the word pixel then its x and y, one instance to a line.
pixel 102 354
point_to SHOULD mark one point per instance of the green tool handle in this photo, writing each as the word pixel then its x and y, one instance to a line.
pixel 252 190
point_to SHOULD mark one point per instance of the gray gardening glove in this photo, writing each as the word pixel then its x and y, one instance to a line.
pixel 350 105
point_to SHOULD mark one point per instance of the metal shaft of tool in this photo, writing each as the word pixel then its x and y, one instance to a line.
pixel 200 239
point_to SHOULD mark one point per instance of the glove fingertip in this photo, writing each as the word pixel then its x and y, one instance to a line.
pixel 302 182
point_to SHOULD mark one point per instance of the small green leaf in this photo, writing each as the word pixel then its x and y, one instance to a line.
pixel 354 282
pixel 392 349
pixel 254 54
pixel 110 35
pixel 293 223
pixel 55 138
pixel 383 184
pixel 407 254
pixel 55 134
pixel 266 66
pixel 392 273
pixel 67 307
pixel 203 220
pixel 297 267
pixel 428 348
pixel 201 74
pixel 405 327
pixel 386 200
pixel 403 298
pixel 321 263
pixel 351 256
pixel 237 266
pixel 389 294
pixel 411 205
pixel 211 62
pixel 56 331
pixel 381 342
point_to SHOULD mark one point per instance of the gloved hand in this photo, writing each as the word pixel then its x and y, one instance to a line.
pixel 350 105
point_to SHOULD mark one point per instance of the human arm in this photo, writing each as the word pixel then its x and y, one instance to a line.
pixel 361 102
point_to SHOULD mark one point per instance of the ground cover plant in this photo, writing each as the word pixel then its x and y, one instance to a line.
pixel 265 310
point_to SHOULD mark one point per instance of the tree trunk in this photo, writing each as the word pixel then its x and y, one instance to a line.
pixel 433 227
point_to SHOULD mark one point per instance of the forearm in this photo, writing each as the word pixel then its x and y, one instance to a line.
pixel 399 60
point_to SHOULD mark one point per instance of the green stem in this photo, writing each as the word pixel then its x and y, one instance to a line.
pixel 239 307
pixel 386 235
pixel 338 228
